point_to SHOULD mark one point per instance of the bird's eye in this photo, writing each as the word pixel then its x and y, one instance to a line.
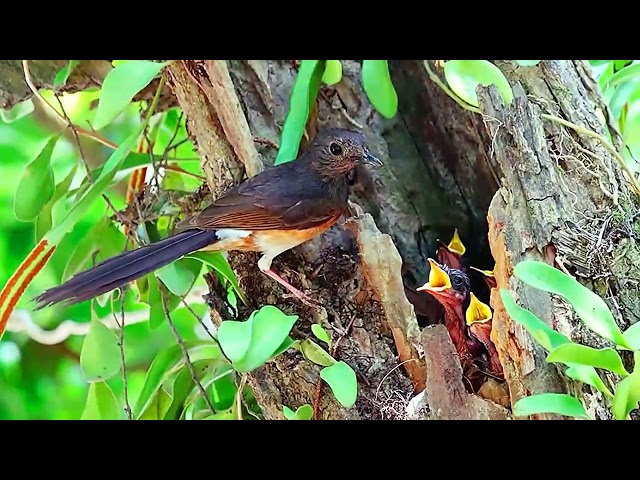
pixel 456 280
pixel 335 149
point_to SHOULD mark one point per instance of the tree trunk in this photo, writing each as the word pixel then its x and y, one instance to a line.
pixel 514 185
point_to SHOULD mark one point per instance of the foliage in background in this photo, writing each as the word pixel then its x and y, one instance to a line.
pixel 57 209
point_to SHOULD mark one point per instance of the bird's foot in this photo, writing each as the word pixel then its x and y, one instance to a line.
pixel 303 297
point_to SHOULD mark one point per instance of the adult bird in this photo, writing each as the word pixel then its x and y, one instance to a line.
pixel 272 212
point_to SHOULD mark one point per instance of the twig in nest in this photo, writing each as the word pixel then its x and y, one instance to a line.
pixel 266 141
pixel 185 353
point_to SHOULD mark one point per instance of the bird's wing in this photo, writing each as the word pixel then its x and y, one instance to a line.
pixel 268 205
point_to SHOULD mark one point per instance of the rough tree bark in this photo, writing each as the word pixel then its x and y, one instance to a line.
pixel 514 185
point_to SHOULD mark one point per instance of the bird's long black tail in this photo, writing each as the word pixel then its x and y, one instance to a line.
pixel 125 267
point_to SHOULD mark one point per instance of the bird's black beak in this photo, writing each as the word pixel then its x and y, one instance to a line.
pixel 369 159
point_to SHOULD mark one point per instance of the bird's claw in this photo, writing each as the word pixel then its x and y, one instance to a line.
pixel 304 298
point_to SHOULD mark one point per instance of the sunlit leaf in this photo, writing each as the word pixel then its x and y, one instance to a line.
pixel 606 358
pixel 320 333
pixel 179 276
pixel 216 261
pixel 628 73
pixel 37 184
pixel 158 407
pixel 121 84
pixel 62 76
pixel 304 412
pixel 332 72
pixel 182 384
pixel 80 207
pixel 627 394
pixel 377 84
pixel 315 353
pixel 463 76
pixel 251 343
pixel 557 403
pixel 223 415
pixel 44 221
pixel 549 339
pixel 18 111
pixel 542 333
pixel 162 363
pixel 593 311
pixel 632 336
pixel 100 355
pixel 303 94
pixel 343 382
pixel 587 375
pixel 101 403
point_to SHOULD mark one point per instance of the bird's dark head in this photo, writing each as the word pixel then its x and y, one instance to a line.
pixel 450 286
pixel 337 151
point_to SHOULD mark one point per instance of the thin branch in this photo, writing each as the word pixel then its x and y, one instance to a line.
pixel 80 130
pixel 123 363
pixel 185 353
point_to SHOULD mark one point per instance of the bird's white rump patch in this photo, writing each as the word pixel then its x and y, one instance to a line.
pixel 231 234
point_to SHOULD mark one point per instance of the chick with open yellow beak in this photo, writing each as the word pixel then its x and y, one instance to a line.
pixel 479 317
pixel 489 277
pixel 452 253
pixel 448 285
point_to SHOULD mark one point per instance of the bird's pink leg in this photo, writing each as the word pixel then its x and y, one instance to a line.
pixel 296 293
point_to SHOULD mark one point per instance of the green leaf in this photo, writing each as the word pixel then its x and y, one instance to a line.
pixel 627 394
pixel 558 403
pixel 342 380
pixel 154 299
pixel 628 73
pixel 220 264
pixel 37 184
pixel 223 415
pixel 588 375
pixel 18 111
pixel 632 336
pixel 542 333
pixel 303 95
pixel 100 355
pixel 606 358
pixel 62 76
pixel 527 63
pixel 121 84
pixel 44 221
pixel 161 365
pixel 379 88
pixel 286 345
pixel 463 76
pixel 593 311
pixel 305 412
pixel 158 407
pixel 631 134
pixel 180 275
pixel 251 343
pixel 101 403
pixel 182 385
pixel 320 333
pixel 332 72
pixel 315 353
pixel 79 208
